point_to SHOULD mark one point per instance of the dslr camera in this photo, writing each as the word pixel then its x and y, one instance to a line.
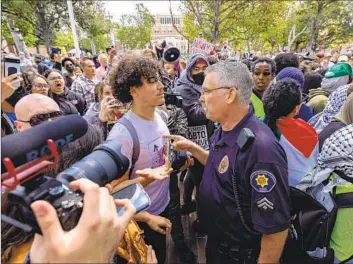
pixel 28 182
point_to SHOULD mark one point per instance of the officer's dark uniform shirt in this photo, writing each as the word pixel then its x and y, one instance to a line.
pixel 263 186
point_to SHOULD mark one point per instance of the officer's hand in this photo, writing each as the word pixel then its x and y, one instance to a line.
pixel 94 239
pixel 160 224
pixel 158 174
pixel 180 143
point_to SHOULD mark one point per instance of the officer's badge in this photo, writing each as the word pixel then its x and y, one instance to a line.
pixel 265 205
pixel 263 181
pixel 223 165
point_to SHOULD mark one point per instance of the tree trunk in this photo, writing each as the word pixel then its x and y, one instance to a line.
pixel 93 47
pixel 217 19
pixel 248 43
pixel 313 33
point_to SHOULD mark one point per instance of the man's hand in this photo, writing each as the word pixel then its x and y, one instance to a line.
pixel 8 84
pixel 158 174
pixel 94 239
pixel 160 224
pixel 180 143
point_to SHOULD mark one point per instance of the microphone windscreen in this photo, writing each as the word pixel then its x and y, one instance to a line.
pixel 30 144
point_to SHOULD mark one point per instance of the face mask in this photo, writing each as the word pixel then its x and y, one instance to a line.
pixel 70 69
pixel 199 78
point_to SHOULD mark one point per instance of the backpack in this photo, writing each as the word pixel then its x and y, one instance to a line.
pixel 312 225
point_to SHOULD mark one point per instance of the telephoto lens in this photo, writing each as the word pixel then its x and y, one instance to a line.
pixel 103 165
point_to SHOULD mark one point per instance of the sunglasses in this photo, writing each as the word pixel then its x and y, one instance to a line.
pixel 41 118
pixel 41 86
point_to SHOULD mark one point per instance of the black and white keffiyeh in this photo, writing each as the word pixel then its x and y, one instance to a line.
pixel 333 106
pixel 336 155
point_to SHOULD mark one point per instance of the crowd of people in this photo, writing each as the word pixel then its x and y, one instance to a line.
pixel 255 129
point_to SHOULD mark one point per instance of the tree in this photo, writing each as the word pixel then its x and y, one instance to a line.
pixel 45 17
pixel 213 18
pixel 136 30
pixel 94 21
pixel 64 39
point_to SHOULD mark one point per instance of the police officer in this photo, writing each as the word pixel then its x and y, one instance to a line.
pixel 244 194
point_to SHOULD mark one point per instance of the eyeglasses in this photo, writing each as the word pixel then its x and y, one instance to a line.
pixel 205 90
pixel 263 73
pixel 41 118
pixel 41 86
pixel 55 78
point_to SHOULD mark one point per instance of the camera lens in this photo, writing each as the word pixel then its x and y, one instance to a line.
pixel 103 165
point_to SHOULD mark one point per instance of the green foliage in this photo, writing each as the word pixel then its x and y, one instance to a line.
pixel 64 39
pixel 136 30
pixel 267 24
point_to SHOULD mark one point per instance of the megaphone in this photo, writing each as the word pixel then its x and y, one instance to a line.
pixel 171 55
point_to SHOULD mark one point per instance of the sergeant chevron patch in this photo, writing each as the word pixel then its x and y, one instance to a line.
pixel 265 204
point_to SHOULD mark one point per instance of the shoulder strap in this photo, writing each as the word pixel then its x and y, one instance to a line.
pixel 136 142
pixel 163 116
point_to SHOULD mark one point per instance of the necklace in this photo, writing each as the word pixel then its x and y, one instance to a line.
pixel 142 117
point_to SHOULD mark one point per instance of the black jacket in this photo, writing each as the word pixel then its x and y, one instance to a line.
pixel 70 102
pixel 191 93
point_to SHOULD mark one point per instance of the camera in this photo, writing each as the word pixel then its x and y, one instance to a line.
pixel 173 98
pixel 28 183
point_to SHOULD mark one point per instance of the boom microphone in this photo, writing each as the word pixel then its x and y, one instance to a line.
pixel 31 144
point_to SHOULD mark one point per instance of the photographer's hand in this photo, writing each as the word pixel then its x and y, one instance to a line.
pixel 8 84
pixel 94 239
pixel 107 109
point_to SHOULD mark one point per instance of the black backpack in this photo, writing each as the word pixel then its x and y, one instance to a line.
pixel 312 225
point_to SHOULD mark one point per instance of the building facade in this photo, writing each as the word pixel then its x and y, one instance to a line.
pixel 163 30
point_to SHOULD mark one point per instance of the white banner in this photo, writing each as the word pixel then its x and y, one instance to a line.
pixel 201 46
pixel 198 135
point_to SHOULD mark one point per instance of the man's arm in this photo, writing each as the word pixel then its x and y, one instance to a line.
pixel 199 153
pixel 181 143
pixel 272 247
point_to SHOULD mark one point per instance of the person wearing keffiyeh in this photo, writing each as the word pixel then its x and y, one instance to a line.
pixel 335 163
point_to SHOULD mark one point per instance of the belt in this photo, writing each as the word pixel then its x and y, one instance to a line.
pixel 237 253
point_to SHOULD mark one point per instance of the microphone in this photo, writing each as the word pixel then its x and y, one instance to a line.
pixel 31 144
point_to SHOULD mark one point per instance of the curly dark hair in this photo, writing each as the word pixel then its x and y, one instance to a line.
pixel 268 61
pixel 130 72
pixel 284 60
pixel 280 100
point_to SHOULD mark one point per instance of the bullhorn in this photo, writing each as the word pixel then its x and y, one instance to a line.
pixel 171 55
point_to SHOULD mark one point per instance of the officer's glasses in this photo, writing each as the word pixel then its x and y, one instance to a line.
pixel 205 90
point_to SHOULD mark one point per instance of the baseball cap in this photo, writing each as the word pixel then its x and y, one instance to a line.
pixel 339 70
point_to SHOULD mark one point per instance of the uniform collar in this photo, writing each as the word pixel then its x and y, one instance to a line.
pixel 231 138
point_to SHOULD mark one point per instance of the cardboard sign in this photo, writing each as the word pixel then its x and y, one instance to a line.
pixel 201 46
pixel 198 135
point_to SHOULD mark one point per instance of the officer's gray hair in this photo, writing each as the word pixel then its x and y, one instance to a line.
pixel 234 74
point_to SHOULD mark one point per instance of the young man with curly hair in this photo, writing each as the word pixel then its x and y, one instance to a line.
pixel 137 80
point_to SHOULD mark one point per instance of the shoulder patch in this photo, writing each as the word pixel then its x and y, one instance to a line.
pixel 263 181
